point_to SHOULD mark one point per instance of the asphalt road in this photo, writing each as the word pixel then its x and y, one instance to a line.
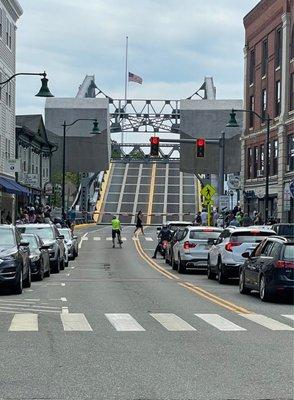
pixel 117 325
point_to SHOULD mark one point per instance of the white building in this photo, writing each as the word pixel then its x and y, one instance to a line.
pixel 10 11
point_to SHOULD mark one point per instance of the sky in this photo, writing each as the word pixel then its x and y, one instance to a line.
pixel 172 45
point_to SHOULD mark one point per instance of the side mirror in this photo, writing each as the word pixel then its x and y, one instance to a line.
pixel 44 247
pixel 60 237
pixel 24 244
pixel 246 255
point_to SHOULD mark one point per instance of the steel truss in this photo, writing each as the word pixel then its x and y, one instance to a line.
pixel 135 152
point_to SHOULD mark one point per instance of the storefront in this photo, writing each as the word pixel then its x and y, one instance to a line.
pixel 10 193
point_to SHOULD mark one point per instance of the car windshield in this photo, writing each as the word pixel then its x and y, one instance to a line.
pixel 204 235
pixel 65 233
pixel 250 236
pixel 42 232
pixel 31 240
pixel 173 227
pixel 6 237
pixel 289 252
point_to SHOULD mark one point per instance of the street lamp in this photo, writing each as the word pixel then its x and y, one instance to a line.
pixel 44 90
pixel 95 131
pixel 233 124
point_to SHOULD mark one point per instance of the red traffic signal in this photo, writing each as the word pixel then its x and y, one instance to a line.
pixel 154 146
pixel 200 147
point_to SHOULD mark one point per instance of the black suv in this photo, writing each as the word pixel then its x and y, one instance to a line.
pixel 15 269
pixel 269 268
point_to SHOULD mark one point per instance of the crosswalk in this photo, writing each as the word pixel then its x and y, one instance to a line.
pixel 124 322
pixel 109 238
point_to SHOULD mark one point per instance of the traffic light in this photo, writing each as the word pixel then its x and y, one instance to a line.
pixel 154 146
pixel 200 147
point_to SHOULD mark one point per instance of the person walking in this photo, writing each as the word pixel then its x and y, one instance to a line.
pixel 139 222
pixel 116 231
pixel 204 217
pixel 198 219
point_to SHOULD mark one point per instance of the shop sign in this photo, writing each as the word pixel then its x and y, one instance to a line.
pixel 234 182
pixel 48 189
pixel 12 165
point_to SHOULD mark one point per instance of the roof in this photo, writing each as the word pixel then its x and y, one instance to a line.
pixel 30 121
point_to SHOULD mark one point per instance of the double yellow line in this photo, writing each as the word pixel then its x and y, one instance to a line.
pixel 187 285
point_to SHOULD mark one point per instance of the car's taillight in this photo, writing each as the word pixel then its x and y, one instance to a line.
pixel 229 246
pixel 189 245
pixel 284 264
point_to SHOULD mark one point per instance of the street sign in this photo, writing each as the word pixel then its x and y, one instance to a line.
pixel 224 203
pixel 208 202
pixel 208 191
pixel 234 182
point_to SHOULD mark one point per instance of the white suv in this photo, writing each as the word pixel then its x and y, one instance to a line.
pixel 192 247
pixel 225 255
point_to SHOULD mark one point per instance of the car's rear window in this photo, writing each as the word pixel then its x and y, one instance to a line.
pixel 204 235
pixel 284 230
pixel 173 227
pixel 289 252
pixel 250 236
pixel 42 232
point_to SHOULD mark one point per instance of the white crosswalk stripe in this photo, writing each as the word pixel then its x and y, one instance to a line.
pixel 267 322
pixel 290 316
pixel 97 238
pixel 24 323
pixel 148 239
pixel 124 322
pixel 172 322
pixel 109 238
pixel 75 322
pixel 220 322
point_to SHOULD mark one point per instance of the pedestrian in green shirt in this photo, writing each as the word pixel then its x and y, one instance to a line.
pixel 116 230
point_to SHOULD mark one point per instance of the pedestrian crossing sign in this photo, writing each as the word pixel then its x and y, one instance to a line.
pixel 208 191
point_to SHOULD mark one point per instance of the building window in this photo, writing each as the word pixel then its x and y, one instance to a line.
pixel 263 103
pixel 256 161
pixel 264 57
pixel 252 67
pixel 249 163
pixel 290 153
pixel 1 23
pixel 251 108
pixel 292 43
pixel 278 98
pixel 292 92
pixel 261 160
pixel 7 31
pixel 275 157
pixel 278 58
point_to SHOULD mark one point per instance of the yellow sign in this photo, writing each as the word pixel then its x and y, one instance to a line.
pixel 208 202
pixel 208 191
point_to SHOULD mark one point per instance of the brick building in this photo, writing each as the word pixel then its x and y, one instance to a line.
pixel 269 89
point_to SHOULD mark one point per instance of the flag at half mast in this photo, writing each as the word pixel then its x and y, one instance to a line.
pixel 135 78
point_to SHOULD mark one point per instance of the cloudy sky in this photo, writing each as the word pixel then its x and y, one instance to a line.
pixel 172 44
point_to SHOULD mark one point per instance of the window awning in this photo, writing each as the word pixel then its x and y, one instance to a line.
pixel 10 186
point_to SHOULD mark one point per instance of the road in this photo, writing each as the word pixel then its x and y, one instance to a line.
pixel 118 325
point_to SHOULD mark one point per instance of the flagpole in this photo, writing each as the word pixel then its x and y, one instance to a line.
pixel 126 83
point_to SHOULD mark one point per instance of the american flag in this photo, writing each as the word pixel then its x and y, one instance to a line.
pixel 135 78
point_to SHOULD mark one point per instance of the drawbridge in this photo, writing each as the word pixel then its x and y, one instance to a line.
pixel 159 189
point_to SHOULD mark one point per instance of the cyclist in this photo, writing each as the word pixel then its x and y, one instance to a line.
pixel 116 229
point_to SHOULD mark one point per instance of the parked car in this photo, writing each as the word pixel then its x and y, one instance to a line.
pixel 71 242
pixel 51 237
pixel 269 269
pixel 39 256
pixel 283 229
pixel 170 245
pixel 225 255
pixel 15 269
pixel 191 248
